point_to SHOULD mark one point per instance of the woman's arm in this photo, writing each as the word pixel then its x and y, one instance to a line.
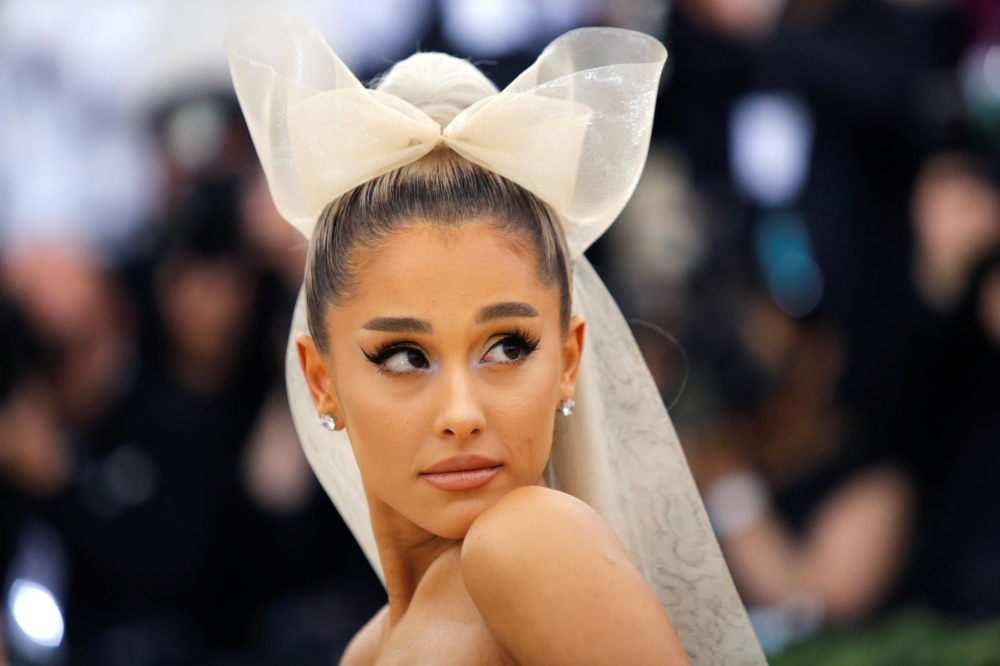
pixel 848 559
pixel 556 586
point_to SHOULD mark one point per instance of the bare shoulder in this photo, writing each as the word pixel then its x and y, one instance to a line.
pixel 363 648
pixel 529 522
pixel 555 585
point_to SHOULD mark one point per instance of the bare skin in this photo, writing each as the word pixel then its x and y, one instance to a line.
pixel 451 345
pixel 848 560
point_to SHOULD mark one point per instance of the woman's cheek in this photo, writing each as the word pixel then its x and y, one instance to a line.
pixel 519 425
pixel 381 431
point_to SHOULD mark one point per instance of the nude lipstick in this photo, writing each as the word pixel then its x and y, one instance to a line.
pixel 467 471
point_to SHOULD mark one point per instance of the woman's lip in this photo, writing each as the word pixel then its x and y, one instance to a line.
pixel 467 471
pixel 468 479
pixel 461 463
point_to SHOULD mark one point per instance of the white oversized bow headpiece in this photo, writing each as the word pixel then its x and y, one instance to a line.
pixel 573 128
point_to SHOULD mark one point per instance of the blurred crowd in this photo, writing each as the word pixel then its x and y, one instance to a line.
pixel 819 231
pixel 811 262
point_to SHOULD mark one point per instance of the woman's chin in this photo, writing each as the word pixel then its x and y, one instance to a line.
pixel 450 514
pixel 454 520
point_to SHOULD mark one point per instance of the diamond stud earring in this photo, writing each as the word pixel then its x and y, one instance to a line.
pixel 329 422
pixel 566 406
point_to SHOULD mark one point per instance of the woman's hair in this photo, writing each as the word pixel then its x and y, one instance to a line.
pixel 442 188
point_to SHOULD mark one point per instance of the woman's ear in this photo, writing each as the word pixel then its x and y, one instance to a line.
pixel 572 351
pixel 321 389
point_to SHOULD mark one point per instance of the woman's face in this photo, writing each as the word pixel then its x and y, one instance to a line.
pixel 446 365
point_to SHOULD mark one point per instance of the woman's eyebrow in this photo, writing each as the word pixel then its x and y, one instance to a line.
pixel 399 325
pixel 501 310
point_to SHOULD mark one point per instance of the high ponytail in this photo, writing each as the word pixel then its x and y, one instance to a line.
pixel 440 85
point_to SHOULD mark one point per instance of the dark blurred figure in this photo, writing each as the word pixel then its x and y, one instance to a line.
pixel 33 456
pixel 76 313
pixel 954 380
pixel 957 432
pixel 814 522
pixel 195 524
pixel 804 123
pixel 81 315
pixel 34 465
pixel 156 473
pixel 200 135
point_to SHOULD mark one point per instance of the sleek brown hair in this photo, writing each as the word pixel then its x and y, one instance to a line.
pixel 442 189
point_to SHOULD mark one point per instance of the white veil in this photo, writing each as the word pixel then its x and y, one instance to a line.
pixel 573 129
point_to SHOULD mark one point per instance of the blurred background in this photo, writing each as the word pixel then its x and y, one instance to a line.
pixel 811 263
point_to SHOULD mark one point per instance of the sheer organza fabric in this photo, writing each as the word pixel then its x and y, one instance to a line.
pixel 574 129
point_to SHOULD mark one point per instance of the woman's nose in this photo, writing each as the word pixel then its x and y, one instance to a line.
pixel 460 415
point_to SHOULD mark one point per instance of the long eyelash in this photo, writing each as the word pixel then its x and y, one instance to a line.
pixel 529 341
pixel 523 337
pixel 384 350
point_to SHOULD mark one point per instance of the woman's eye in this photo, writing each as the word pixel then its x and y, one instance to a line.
pixel 507 350
pixel 405 360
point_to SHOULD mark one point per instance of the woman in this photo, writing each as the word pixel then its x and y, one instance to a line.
pixel 447 223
